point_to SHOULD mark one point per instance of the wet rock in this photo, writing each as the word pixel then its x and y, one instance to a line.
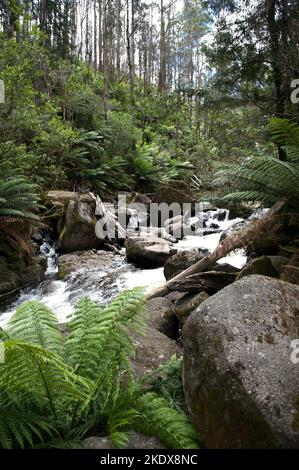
pixel 290 273
pixel 148 251
pixel 220 215
pixel 210 282
pixel 152 350
pixel 87 260
pixel 262 266
pixel 9 280
pixel 240 384
pixel 136 441
pixel 181 261
pixel 161 317
pixel 77 228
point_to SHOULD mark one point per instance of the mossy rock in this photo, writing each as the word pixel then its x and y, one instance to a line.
pixel 262 266
pixel 180 262
pixel 77 228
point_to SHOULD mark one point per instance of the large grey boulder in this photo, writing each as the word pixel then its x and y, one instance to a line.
pixel 77 228
pixel 148 251
pixel 240 384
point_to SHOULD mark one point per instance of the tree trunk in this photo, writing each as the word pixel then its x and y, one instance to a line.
pixel 162 71
pixel 130 61
pixel 274 32
pixel 105 61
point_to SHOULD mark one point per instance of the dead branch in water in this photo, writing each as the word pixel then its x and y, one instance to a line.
pixel 231 243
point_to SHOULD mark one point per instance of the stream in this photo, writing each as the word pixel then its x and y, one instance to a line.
pixel 103 285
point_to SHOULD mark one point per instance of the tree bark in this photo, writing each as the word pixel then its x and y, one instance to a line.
pixel 274 33
pixel 162 71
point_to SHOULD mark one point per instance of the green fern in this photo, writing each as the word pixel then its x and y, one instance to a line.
pixel 22 429
pixel 34 323
pixel 18 199
pixel 267 179
pixel 99 334
pixel 54 394
pixel 171 426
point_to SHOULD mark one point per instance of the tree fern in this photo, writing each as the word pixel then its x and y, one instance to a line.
pixel 22 429
pixel 266 179
pixel 35 323
pixel 54 398
pixel 18 198
pixel 43 375
pixel 99 335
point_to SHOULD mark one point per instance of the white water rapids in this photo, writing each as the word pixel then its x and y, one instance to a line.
pixel 62 296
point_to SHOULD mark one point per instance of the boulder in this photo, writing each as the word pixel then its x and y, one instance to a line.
pixel 136 441
pixel 185 305
pixel 179 262
pixel 77 228
pixel 210 282
pixel 65 197
pixel 87 260
pixel 143 199
pixel 262 266
pixel 148 251
pixel 161 317
pixel 240 384
pixel 17 273
pixel 225 268
pixel 152 350
pixel 180 193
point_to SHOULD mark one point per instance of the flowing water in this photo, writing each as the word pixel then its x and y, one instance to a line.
pixel 103 285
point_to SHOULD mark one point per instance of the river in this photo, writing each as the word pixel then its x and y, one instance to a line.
pixel 105 284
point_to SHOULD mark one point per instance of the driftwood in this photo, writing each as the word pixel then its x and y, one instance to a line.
pixel 231 243
pixel 210 282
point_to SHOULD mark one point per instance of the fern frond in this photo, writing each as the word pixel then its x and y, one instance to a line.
pixel 35 323
pixel 42 374
pixel 171 426
pixel 98 336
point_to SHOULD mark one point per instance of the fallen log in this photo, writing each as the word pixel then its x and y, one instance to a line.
pixel 210 282
pixel 231 243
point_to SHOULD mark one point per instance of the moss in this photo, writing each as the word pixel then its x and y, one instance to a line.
pixel 262 266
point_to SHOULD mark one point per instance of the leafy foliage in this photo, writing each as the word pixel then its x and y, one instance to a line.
pixel 266 179
pixel 18 199
pixel 54 394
